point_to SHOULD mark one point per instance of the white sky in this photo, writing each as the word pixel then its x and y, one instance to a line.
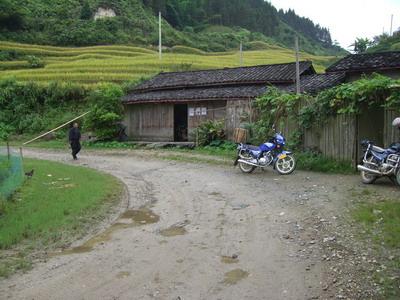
pixel 347 19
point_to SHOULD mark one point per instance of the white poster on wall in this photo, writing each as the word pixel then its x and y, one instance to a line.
pixel 191 111
pixel 198 111
pixel 204 111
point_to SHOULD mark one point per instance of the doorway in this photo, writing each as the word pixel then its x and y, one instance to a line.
pixel 370 126
pixel 180 123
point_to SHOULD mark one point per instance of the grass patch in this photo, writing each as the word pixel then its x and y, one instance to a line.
pixel 381 221
pixel 54 207
pixel 311 161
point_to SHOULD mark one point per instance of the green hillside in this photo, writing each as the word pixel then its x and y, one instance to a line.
pixel 209 25
pixel 115 63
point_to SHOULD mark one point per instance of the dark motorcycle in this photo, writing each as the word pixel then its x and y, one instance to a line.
pixel 378 162
pixel 267 154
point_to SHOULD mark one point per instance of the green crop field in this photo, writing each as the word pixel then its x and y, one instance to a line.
pixel 90 65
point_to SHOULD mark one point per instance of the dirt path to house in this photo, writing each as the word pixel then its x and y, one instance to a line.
pixel 206 232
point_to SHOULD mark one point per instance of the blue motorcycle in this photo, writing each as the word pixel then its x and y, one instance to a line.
pixel 270 153
pixel 379 162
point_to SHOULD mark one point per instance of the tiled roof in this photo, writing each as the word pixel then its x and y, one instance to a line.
pixel 197 94
pixel 278 73
pixel 315 83
pixel 367 62
pixel 309 84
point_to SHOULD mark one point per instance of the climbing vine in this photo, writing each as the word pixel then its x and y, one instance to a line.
pixel 304 110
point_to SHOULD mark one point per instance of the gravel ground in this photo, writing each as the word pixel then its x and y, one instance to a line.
pixel 199 231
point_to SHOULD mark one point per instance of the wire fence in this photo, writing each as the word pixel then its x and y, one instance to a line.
pixel 11 171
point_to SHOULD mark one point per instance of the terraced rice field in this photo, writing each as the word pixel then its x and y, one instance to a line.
pixel 90 65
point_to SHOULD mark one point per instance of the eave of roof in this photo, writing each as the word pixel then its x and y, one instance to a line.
pixel 309 84
pixel 355 62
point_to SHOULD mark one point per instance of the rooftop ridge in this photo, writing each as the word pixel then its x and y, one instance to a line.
pixel 234 68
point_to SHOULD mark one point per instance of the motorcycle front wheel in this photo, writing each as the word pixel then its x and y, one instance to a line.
pixel 285 165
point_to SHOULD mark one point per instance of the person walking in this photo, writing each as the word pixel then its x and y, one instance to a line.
pixel 74 137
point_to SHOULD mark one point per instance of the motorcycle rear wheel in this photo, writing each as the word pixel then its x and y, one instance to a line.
pixel 246 168
pixel 368 178
pixel 398 177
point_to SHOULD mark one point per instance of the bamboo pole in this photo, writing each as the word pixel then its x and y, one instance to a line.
pixel 61 126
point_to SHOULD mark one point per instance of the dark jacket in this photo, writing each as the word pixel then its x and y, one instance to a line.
pixel 74 135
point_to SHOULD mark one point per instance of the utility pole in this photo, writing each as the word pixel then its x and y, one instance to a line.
pixel 391 25
pixel 159 36
pixel 241 53
pixel 296 41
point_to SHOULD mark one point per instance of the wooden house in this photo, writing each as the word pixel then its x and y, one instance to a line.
pixel 340 137
pixel 171 105
pixel 357 65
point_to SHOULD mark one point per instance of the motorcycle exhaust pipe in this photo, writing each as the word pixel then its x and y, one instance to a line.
pixel 249 163
pixel 365 169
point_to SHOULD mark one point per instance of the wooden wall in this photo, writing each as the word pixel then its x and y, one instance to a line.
pixel 340 136
pixel 234 110
pixel 337 138
pixel 216 110
pixel 155 122
pixel 150 122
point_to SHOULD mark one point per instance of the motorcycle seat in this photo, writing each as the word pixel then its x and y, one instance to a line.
pixel 251 147
pixel 378 149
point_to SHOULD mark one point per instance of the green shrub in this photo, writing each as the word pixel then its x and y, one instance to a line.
pixel 7 55
pixel 5 131
pixel 31 108
pixel 34 61
pixel 210 131
pixel 106 111
pixel 314 161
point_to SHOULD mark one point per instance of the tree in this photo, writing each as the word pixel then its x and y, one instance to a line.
pixel 105 111
pixel 361 45
pixel 86 12
pixel 11 16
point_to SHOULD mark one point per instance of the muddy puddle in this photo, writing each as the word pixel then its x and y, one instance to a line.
pixel 130 218
pixel 174 230
pixel 229 259
pixel 234 276
pixel 123 274
pixel 141 216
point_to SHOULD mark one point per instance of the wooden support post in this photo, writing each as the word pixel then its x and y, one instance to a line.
pixel 22 161
pixel 8 151
pixel 298 88
pixel 159 37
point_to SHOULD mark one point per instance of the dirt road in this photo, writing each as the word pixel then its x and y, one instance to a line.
pixel 198 231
